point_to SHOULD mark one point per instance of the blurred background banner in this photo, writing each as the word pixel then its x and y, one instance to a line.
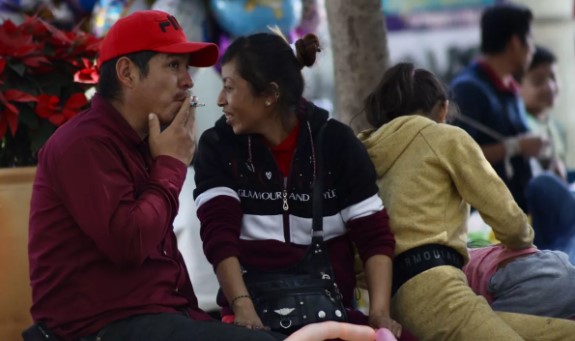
pixel 421 14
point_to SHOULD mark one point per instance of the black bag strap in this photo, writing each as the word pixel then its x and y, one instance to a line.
pixel 317 196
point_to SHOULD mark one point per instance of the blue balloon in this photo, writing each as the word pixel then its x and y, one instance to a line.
pixel 243 17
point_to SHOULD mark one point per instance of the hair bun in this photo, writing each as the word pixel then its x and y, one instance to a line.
pixel 306 49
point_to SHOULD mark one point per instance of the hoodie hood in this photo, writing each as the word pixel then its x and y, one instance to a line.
pixel 387 143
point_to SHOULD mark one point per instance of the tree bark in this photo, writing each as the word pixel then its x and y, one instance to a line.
pixel 360 55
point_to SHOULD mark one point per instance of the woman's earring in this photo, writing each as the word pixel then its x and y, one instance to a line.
pixel 268 103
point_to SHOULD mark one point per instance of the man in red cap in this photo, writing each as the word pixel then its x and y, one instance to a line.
pixel 104 263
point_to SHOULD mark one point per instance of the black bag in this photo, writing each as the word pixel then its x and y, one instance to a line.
pixel 291 298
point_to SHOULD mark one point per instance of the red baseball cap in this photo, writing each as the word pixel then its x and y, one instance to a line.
pixel 153 31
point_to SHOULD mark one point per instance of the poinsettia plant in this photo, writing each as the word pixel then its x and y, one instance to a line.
pixel 45 74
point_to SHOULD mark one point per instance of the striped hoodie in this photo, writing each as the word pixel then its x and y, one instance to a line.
pixel 247 208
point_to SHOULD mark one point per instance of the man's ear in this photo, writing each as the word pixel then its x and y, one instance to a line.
pixel 126 71
pixel 515 43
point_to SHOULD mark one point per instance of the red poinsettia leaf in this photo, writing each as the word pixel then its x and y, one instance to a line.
pixel 87 44
pixel 57 119
pixel 36 61
pixel 17 43
pixel 68 113
pixel 87 76
pixel 18 96
pixel 47 106
pixel 48 100
pixel 76 102
pixel 58 37
pixel 9 106
pixel 43 111
pixel 25 49
pixel 34 25
pixel 8 26
pixel 72 35
pixel 81 63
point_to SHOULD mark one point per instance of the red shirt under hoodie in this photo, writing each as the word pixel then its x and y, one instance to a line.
pixel 101 242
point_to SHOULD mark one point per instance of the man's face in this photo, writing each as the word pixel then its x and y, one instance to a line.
pixel 522 53
pixel 165 87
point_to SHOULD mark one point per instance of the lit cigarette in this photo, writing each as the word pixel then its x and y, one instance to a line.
pixel 194 102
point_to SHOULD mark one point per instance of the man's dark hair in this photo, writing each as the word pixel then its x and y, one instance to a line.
pixel 500 23
pixel 108 85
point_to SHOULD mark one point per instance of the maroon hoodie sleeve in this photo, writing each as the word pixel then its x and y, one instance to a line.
pixel 372 235
pixel 221 219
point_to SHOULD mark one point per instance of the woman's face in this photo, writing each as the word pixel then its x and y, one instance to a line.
pixel 245 112
pixel 539 87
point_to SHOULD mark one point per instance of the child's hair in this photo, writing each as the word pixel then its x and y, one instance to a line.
pixel 404 90
pixel 542 56
pixel 263 58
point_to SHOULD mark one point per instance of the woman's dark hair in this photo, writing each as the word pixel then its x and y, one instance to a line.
pixel 404 90
pixel 499 23
pixel 542 56
pixel 264 58
pixel 108 85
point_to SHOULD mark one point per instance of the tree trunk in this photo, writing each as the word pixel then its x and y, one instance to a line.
pixel 360 56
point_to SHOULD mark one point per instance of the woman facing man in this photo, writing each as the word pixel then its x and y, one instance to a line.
pixel 255 171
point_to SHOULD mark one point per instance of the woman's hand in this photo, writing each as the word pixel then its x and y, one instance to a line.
pixel 383 321
pixel 232 283
pixel 245 314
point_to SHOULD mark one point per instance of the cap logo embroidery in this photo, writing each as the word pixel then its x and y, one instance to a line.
pixel 170 22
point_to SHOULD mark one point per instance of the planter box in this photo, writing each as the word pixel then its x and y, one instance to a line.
pixel 15 291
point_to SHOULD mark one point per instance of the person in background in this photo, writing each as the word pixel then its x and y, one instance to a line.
pixel 255 171
pixel 523 281
pixel 549 198
pixel 104 263
pixel 552 207
pixel 539 90
pixel 492 111
pixel 429 173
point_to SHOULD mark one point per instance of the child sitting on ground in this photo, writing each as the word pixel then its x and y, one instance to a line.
pixel 527 281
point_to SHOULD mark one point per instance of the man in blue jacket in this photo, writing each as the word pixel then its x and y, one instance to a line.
pixel 492 111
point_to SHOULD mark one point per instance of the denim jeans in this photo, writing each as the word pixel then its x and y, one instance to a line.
pixel 552 207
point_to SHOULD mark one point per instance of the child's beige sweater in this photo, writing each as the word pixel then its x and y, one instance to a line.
pixel 429 174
